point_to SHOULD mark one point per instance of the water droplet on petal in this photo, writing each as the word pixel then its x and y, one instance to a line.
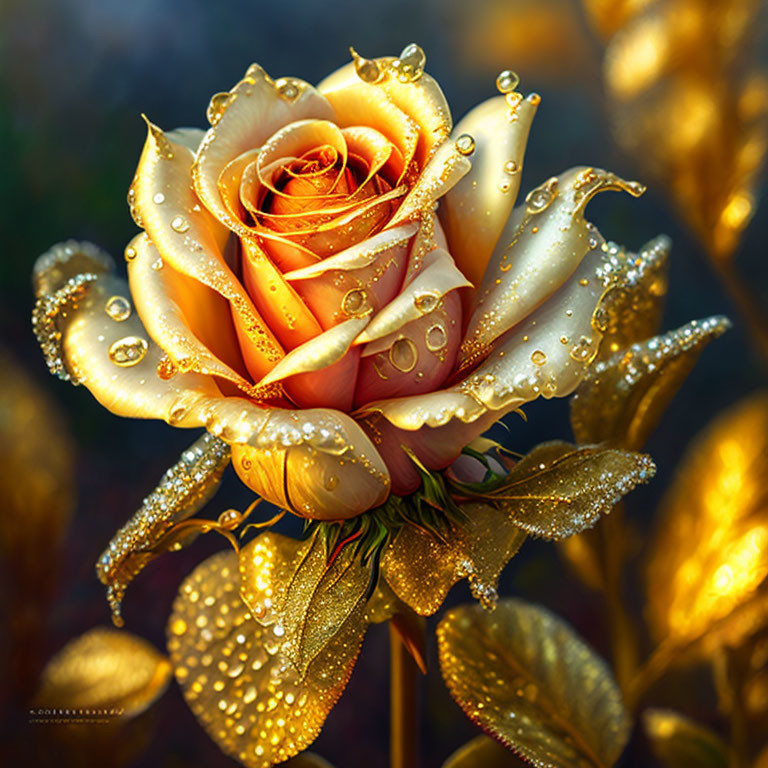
pixel 218 105
pixel 367 70
pixel 465 144
pixel 538 357
pixel 179 224
pixel 436 338
pixel 507 81
pixel 128 351
pixel 118 308
pixel 403 355
pixel 159 198
pixel 540 199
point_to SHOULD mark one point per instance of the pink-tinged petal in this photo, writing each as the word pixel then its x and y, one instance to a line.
pixel 435 447
pixel 420 99
pixel 278 303
pixel 192 241
pixel 438 277
pixel 317 462
pixel 244 119
pixel 191 323
pixel 475 211
pixel 331 387
pixel 357 280
pixel 416 359
pixel 540 248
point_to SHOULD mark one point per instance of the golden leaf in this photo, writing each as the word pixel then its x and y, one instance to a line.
pixel 36 484
pixel 679 742
pixel 689 99
pixel 292 589
pixel 708 570
pixel 523 675
pixel 104 669
pixel 631 311
pixel 184 490
pixel 559 489
pixel 483 752
pixel 622 399
pixel 421 569
pixel 235 677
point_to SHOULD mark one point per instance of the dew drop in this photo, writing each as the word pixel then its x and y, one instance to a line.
pixel 409 66
pixel 540 199
pixel 128 351
pixel 465 144
pixel 331 482
pixel 538 357
pixel 118 308
pixel 403 355
pixel 355 302
pixel 159 198
pixel 179 224
pixel 425 302
pixel 511 167
pixel 287 88
pixel 507 81
pixel 130 253
pixel 218 106
pixel 367 70
pixel 436 338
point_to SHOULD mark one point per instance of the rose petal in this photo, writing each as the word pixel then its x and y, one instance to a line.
pixel 541 246
pixel 190 322
pixel 191 241
pixel 421 99
pixel 316 462
pixel 187 137
pixel 437 278
pixel 475 211
pixel 281 307
pixel 252 111
pixel 417 358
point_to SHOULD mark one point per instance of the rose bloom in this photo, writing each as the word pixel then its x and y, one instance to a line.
pixel 334 280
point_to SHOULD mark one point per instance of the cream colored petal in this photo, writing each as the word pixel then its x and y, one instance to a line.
pixel 446 167
pixel 317 462
pixel 358 256
pixel 118 362
pixel 438 277
pixel 244 119
pixel 375 148
pixel 187 137
pixel 171 305
pixel 475 211
pixel 540 247
pixel 192 241
pixel 324 350
pixel 421 99
pixel 549 352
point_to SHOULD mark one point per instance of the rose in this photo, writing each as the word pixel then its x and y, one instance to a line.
pixel 334 281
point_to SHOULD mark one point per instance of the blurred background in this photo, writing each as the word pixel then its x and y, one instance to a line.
pixel 671 94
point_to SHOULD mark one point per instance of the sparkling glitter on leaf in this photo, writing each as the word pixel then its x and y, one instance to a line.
pixel 622 399
pixel 185 488
pixel 483 752
pixel 235 677
pixel 679 742
pixel 521 674
pixel 293 590
pixel 707 576
pixel 104 669
pixel 559 489
pixel 421 569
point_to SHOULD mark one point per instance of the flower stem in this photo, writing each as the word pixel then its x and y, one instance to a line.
pixel 403 726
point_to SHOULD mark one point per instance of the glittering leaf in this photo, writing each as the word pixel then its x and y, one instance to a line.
pixel 483 752
pixel 235 677
pixel 104 669
pixel 688 95
pixel 303 594
pixel 559 489
pixel 631 312
pixel 185 489
pixel 707 576
pixel 521 674
pixel 679 742
pixel 622 399
pixel 421 568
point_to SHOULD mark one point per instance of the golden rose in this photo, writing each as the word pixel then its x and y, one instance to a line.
pixel 334 281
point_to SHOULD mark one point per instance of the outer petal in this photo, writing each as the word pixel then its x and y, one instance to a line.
pixel 192 241
pixel 190 322
pixel 244 119
pixel 541 246
pixel 475 211
pixel 319 463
